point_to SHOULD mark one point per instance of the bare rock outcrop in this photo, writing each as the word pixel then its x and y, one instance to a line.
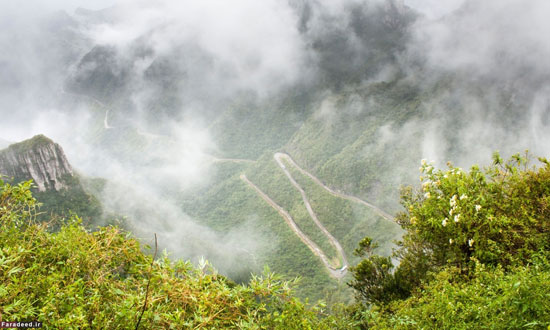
pixel 39 159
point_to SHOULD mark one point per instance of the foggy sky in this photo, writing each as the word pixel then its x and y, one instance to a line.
pixel 213 50
pixel 434 8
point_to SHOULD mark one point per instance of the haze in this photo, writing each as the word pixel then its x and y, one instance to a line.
pixel 156 79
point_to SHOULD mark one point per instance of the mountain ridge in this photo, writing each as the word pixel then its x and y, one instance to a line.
pixel 39 159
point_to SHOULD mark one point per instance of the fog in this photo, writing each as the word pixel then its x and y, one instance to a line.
pixel 435 9
pixel 152 77
pixel 498 52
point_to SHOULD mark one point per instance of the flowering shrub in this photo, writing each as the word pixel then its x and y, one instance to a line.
pixel 474 255
pixel 497 216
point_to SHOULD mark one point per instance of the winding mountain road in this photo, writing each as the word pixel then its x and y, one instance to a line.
pixel 230 160
pixel 337 273
pixel 278 156
pixel 333 241
pixel 105 123
pixel 334 272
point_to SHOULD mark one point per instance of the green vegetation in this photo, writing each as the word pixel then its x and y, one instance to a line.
pixel 250 127
pixel 72 200
pixel 346 220
pixel 349 143
pixel 31 144
pixel 74 278
pixel 491 298
pixel 475 253
pixel 231 204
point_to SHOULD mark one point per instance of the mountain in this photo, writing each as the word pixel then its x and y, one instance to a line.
pixel 38 159
pixel 302 167
pixel 281 136
pixel 58 187
pixel 342 180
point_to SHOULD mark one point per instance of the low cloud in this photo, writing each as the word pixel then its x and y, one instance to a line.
pixel 164 71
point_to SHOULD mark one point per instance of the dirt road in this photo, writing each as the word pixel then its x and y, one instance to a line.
pixel 333 241
pixel 334 272
pixel 383 214
pixel 337 273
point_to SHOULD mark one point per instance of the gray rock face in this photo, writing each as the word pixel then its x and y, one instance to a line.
pixel 39 159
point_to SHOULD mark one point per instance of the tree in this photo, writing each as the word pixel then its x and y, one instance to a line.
pixel 499 216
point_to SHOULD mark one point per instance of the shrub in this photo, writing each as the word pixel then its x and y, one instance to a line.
pixel 76 279
pixel 474 254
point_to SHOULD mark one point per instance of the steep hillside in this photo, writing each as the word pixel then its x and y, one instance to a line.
pixel 38 159
pixel 57 185
pixel 285 143
pixel 266 199
pixel 253 127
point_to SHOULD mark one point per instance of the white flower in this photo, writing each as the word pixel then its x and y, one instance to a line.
pixel 427 195
pixel 452 201
pixel 429 169
pixel 423 162
pixel 478 207
pixel 426 184
pixel 457 217
pixel 471 242
pixel 450 241
pixel 444 222
pixel 451 211
pixel 463 196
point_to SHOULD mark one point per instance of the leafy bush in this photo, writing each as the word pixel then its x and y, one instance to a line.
pixel 74 279
pixel 474 253
pixel 500 216
pixel 491 299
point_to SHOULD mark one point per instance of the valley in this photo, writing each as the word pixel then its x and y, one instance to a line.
pixel 285 137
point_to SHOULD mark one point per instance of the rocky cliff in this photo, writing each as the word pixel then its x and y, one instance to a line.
pixel 39 159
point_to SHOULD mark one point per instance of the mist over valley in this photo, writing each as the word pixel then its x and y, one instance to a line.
pixel 265 133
